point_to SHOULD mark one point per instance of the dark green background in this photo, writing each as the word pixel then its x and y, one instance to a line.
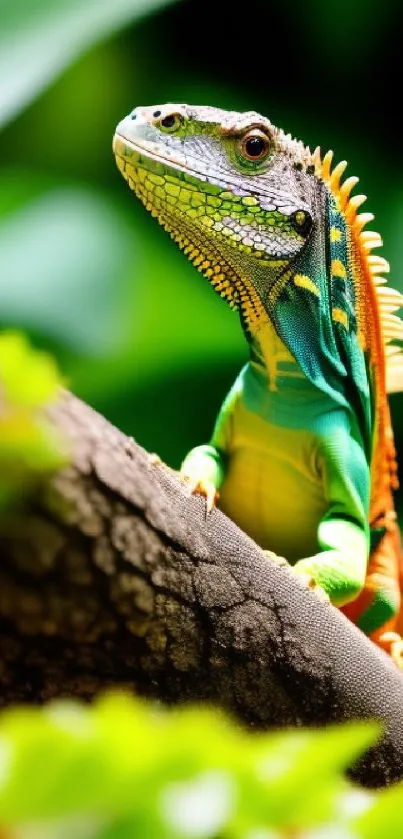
pixel 83 269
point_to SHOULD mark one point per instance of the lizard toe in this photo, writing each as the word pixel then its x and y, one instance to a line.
pixel 200 486
pixel 309 582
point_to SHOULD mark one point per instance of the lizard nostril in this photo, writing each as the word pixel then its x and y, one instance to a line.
pixel 157 114
pixel 301 222
pixel 134 116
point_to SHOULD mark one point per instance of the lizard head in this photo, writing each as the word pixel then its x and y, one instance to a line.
pixel 235 192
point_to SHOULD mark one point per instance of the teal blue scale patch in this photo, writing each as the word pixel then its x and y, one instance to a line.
pixel 296 404
pixel 321 330
pixel 343 298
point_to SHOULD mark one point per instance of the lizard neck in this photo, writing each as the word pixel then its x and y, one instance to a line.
pixel 274 365
pixel 280 393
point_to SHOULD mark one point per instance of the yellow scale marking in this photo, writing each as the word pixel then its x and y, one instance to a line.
pixel 340 317
pixel 338 269
pixel 303 281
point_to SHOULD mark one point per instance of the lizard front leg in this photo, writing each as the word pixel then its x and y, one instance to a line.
pixel 203 470
pixel 340 567
pixel 204 467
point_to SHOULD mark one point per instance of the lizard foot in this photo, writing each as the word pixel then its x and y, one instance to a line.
pixel 279 560
pixel 309 582
pixel 154 459
pixel 199 486
pixel 392 643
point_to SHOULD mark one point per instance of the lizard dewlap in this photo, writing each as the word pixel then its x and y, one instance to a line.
pixel 302 453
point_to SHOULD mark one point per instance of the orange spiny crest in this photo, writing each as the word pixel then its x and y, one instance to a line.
pixel 377 302
pixel 378 326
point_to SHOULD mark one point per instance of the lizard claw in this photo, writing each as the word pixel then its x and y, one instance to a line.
pixel 199 486
pixel 309 582
pixel 307 579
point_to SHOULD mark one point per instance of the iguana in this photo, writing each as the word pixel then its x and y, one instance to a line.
pixel 302 454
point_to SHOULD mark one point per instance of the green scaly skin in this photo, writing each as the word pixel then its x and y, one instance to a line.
pixel 290 453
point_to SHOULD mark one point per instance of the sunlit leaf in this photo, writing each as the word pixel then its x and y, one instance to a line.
pixel 200 807
pixel 62 255
pixel 29 445
pixel 39 38
pixel 29 379
pixel 123 768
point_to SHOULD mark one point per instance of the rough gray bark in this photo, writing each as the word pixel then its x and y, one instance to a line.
pixel 113 575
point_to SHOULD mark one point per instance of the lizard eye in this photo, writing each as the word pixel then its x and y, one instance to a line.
pixel 170 123
pixel 255 145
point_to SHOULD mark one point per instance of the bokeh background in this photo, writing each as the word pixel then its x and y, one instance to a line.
pixel 83 269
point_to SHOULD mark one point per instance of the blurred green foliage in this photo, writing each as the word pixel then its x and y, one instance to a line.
pixel 84 270
pixel 29 445
pixel 123 769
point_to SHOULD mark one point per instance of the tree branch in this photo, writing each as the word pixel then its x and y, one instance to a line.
pixel 113 576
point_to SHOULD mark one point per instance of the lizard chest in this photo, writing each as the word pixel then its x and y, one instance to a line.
pixel 273 487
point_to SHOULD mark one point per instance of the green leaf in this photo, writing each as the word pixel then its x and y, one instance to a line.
pixel 298 780
pixel 63 253
pixel 29 445
pixel 29 379
pixel 384 817
pixel 123 768
pixel 39 38
pixel 201 807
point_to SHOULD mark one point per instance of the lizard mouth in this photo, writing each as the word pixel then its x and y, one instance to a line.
pixel 150 155
pixel 225 209
pixel 142 153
